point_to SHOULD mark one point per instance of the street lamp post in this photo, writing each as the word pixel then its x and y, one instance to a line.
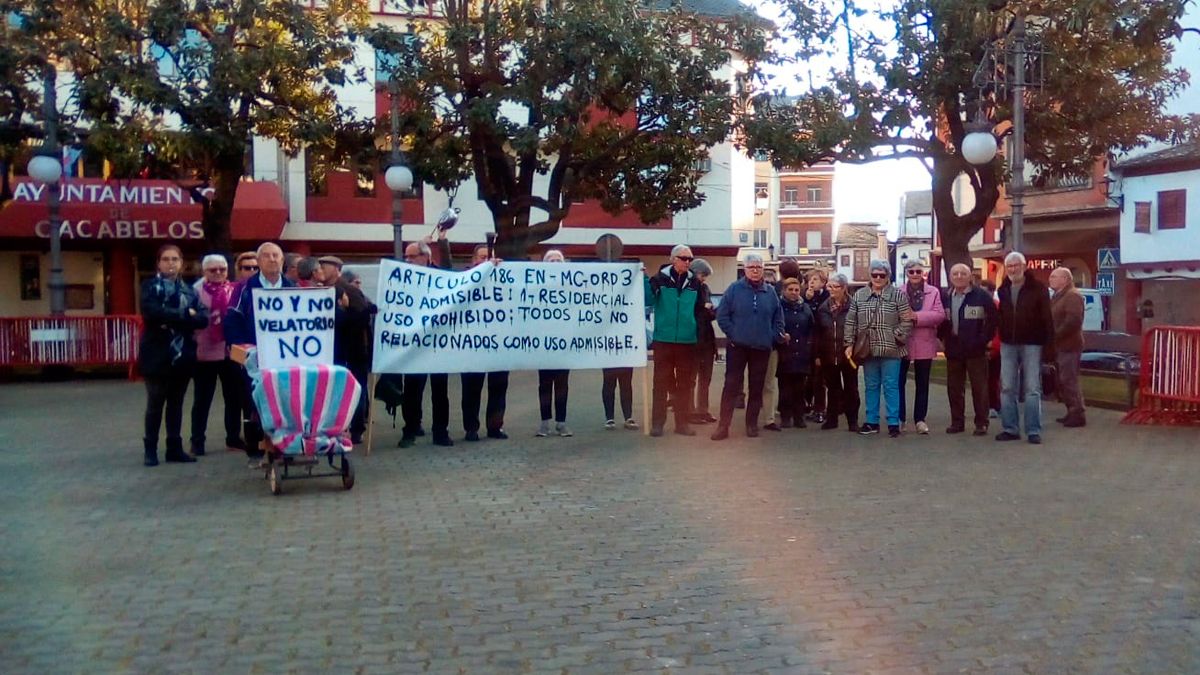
pixel 399 177
pixel 46 168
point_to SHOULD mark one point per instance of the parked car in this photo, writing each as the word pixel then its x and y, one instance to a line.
pixel 1111 362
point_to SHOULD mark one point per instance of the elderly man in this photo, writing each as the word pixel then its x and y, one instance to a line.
pixel 972 317
pixel 472 383
pixel 239 330
pixel 418 253
pixel 675 296
pixel 1026 338
pixel 1066 308
pixel 751 316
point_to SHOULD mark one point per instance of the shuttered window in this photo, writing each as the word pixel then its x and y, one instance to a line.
pixel 1141 217
pixel 1172 209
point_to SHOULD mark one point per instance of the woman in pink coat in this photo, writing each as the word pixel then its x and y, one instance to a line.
pixel 212 360
pixel 927 313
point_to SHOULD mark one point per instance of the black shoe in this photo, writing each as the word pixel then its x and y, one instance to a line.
pixel 235 444
pixel 955 429
pixel 419 432
pixel 685 430
pixel 656 430
pixel 406 441
pixel 979 431
pixel 1062 419
pixel 1034 439
pixel 443 440
pixel 893 431
pixel 151 458
pixel 830 423
pixel 1005 436
pixel 868 429
pixel 180 458
pixel 498 434
pixel 197 451
pixel 356 439
pixel 771 427
pixel 1074 422
pixel 471 437
pixel 752 431
pixel 818 418
pixel 852 427
pixel 785 423
pixel 720 434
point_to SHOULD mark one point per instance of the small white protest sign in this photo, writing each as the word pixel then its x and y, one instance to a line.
pixel 293 326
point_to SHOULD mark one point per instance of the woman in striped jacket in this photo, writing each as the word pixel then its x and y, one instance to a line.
pixel 883 312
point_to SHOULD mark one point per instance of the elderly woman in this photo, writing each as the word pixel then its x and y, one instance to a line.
pixel 840 373
pixel 553 383
pixel 168 352
pixel 795 355
pixel 815 294
pixel 215 293
pixel 928 313
pixel 881 312
pixel 706 345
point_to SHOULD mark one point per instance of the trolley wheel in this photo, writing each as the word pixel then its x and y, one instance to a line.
pixel 347 473
pixel 275 478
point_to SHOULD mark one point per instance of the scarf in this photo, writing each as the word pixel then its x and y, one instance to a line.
pixel 916 296
pixel 219 295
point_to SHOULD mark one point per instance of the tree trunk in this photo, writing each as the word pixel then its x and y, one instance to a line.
pixel 954 230
pixel 227 174
pixel 515 237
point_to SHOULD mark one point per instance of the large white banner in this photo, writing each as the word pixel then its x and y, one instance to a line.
pixel 514 316
pixel 293 326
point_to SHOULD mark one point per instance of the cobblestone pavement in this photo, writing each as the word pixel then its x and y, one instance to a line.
pixel 803 551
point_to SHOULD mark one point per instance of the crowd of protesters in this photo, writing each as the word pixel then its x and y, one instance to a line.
pixel 794 349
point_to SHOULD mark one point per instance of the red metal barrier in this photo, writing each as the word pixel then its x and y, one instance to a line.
pixel 1170 379
pixel 70 341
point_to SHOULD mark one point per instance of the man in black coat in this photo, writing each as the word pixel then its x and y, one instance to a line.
pixel 1026 340
pixel 971 323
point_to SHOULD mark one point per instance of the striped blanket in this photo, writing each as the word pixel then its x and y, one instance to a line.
pixel 305 410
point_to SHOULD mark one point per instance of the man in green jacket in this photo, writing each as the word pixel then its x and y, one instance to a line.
pixel 674 295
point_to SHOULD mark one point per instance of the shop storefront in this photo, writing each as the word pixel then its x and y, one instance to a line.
pixel 110 231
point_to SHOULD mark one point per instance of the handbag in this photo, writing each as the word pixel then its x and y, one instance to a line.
pixel 862 343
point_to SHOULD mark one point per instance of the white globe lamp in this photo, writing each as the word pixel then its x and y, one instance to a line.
pixel 44 169
pixel 399 178
pixel 979 147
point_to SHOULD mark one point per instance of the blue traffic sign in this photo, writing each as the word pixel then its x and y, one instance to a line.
pixel 1108 258
pixel 1106 282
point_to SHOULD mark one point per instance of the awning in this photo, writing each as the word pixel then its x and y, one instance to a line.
pixel 96 209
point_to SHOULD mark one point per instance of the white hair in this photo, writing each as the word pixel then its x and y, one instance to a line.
pixel 1015 256
pixel 753 257
pixel 262 247
pixel 839 279
pixel 880 265
pixel 554 253
pixel 679 249
pixel 214 258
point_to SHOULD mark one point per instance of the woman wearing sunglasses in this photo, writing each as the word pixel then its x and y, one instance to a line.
pixel 882 313
pixel 928 313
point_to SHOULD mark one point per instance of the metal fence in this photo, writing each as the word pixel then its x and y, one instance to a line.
pixel 1169 385
pixel 70 341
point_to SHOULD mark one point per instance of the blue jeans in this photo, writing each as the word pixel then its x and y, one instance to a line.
pixel 883 372
pixel 1017 363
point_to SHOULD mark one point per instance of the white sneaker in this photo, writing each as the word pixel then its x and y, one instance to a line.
pixel 922 428
pixel 631 424
pixel 562 430
pixel 610 424
pixel 544 430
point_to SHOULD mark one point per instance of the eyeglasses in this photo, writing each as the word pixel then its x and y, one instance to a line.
pixel 248 268
pixel 684 258
pixel 216 269
pixel 754 267
pixel 879 275
pixel 915 273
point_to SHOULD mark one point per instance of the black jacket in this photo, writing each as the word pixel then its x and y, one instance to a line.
pixel 168 344
pixel 706 334
pixel 1030 321
pixel 977 319
pixel 831 331
pixel 239 322
pixel 796 355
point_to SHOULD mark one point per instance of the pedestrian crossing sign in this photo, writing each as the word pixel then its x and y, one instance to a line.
pixel 1108 258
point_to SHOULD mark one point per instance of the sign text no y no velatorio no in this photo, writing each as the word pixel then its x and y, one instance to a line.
pixel 514 316
pixel 293 326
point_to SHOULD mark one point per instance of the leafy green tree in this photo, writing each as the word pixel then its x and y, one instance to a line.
pixel 549 102
pixel 25 30
pixel 904 85
pixel 184 84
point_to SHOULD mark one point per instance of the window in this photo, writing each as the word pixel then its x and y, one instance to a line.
pixel 760 238
pixel 791 243
pixel 862 265
pixel 791 196
pixel 814 193
pixel 845 260
pixel 702 165
pixel 315 173
pixel 1172 209
pixel 1141 217
pixel 812 240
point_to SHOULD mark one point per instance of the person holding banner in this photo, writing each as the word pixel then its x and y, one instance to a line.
pixel 167 352
pixel 420 255
pixel 675 297
pixel 751 317
pixel 554 382
pixel 239 330
pixel 472 383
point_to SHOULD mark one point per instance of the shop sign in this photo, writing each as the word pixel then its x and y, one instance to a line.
pixel 1044 264
pixel 117 194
